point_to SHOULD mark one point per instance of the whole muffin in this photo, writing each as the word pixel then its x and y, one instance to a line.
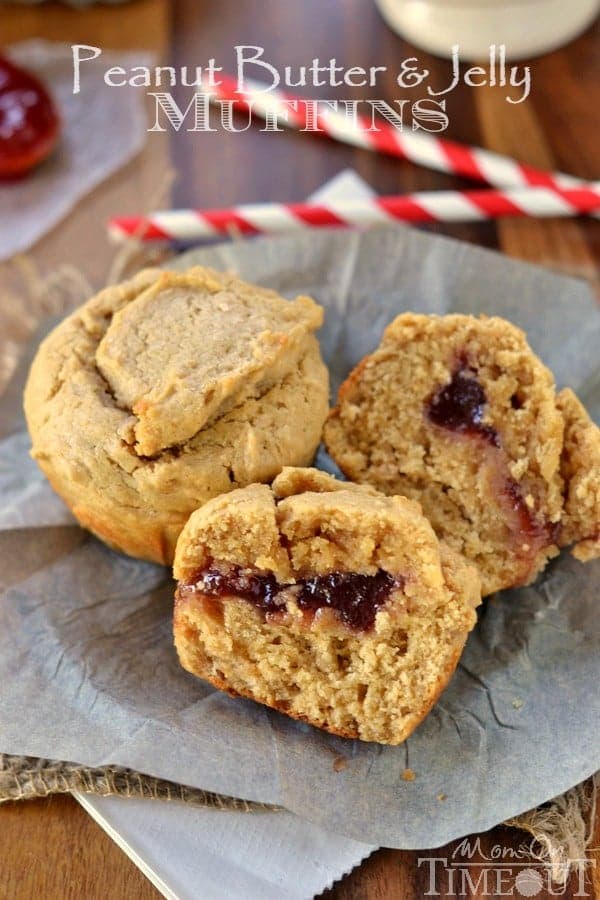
pixel 169 389
pixel 324 600
pixel 458 413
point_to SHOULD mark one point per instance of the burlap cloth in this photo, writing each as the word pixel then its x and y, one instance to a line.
pixel 562 829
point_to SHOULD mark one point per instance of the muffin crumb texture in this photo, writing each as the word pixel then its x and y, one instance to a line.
pixel 325 600
pixel 458 413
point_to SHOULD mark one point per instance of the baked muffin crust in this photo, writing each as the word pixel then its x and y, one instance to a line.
pixel 327 601
pixel 167 390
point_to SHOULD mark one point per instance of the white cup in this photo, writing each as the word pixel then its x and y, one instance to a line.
pixel 526 27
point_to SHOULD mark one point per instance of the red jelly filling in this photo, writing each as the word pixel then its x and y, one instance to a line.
pixel 355 597
pixel 29 122
pixel 459 406
pixel 540 533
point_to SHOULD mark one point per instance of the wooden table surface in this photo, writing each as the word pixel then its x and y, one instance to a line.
pixel 50 848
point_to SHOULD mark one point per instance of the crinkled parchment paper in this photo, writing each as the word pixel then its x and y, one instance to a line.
pixel 101 131
pixel 87 668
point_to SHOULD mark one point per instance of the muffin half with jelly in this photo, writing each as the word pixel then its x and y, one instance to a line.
pixel 327 601
pixel 458 413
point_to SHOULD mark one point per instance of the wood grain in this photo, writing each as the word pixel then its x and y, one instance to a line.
pixel 558 244
pixel 141 23
pixel 50 848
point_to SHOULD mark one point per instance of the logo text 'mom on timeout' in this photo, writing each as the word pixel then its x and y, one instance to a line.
pixel 503 872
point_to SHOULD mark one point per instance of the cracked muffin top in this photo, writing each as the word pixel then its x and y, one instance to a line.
pixel 194 344
pixel 169 389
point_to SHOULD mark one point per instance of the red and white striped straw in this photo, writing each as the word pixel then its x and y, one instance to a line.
pixel 428 206
pixel 423 148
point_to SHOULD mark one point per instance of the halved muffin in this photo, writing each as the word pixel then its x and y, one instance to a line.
pixel 458 413
pixel 325 600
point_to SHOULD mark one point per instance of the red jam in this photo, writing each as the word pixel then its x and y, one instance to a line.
pixel 460 405
pixel 355 597
pixel 541 534
pixel 29 122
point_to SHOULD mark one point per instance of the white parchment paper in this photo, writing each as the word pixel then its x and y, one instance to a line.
pixel 101 131
pixel 87 668
pixel 200 854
